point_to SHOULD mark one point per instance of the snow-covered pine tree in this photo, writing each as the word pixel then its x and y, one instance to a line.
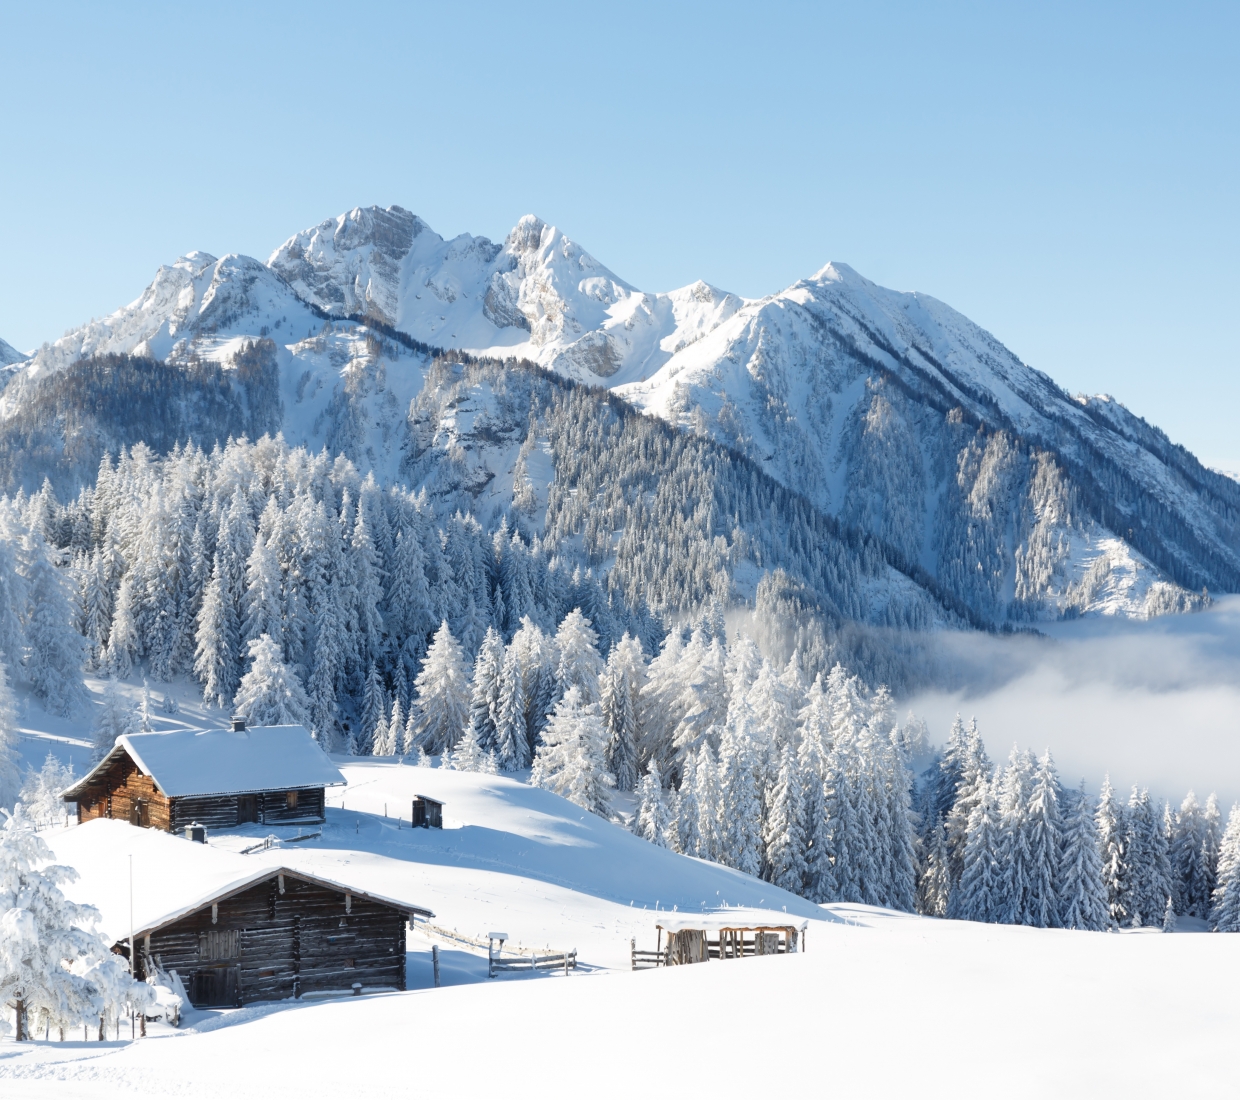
pixel 46 939
pixel 980 894
pixel 1082 892
pixel 367 588
pixel 271 693
pixel 967 759
pixel 10 777
pixel 1190 876
pixel 1225 911
pixel 512 750
pixel 621 689
pixel 40 793
pixel 571 761
pixel 55 651
pixel 933 884
pixel 653 820
pixel 470 756
pixel 1169 920
pixel 785 831
pixel 264 601
pixel 1014 856
pixel 702 801
pixel 330 654
pixel 484 689
pixel 394 734
pixel 116 717
pixel 442 694
pixel 740 805
pixel 1112 823
pixel 374 711
pixel 217 642
pixel 1212 829
pixel 123 640
pixel 813 755
pixel 1045 831
pixel 579 662
pixel 1148 887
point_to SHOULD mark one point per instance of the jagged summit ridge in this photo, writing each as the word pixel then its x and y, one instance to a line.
pixel 889 410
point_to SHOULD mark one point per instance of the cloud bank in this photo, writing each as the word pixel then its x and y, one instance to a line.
pixel 1155 704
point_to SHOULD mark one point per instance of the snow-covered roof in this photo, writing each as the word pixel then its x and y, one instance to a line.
pixel 729 918
pixel 171 876
pixel 211 762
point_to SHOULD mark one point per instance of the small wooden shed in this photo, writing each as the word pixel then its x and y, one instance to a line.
pixel 427 813
pixel 272 775
pixel 698 937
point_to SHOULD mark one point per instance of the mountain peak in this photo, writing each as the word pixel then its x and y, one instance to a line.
pixel 9 354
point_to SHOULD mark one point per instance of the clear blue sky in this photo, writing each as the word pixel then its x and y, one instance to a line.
pixel 1065 174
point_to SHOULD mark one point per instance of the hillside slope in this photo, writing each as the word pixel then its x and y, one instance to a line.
pixel 527 863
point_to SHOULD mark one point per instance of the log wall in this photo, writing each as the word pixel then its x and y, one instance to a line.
pixel 123 787
pixel 286 945
pixel 220 811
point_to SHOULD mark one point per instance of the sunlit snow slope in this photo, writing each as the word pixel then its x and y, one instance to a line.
pixel 849 1014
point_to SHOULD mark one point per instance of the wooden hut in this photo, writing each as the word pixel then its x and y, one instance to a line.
pixel 279 934
pixel 696 937
pixel 236 928
pixel 427 813
pixel 272 775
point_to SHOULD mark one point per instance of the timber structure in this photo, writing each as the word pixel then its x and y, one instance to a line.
pixel 270 775
pixel 279 934
pixel 701 938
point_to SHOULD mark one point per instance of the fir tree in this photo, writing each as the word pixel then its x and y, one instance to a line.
pixel 512 750
pixel 442 696
pixel 653 820
pixel 374 711
pixel 621 689
pixel 572 761
pixel 40 794
pixel 271 693
pixel 1190 875
pixel 579 664
pixel 1225 911
pixel 1082 891
pixel 980 893
pixel 784 834
pixel 1042 820
pixel 933 884
pixel 1112 824
pixel 470 756
pixel 484 690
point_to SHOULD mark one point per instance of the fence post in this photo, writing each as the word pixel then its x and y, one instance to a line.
pixel 633 952
pixel 435 962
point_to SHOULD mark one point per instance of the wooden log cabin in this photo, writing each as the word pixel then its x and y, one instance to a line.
pixel 279 934
pixel 238 928
pixel 272 775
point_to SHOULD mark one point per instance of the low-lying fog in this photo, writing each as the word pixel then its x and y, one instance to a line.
pixel 1152 703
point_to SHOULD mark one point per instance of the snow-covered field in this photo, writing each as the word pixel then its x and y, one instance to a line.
pixel 880 1004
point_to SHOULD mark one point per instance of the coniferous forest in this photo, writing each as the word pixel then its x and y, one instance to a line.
pixel 657 618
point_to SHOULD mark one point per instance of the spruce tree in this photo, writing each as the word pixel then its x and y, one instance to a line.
pixel 1190 875
pixel 618 704
pixel 271 693
pixel 653 820
pixel 512 750
pixel 1112 824
pixel 442 695
pixel 1042 820
pixel 484 689
pixel 981 894
pixel 572 759
pixel 1225 910
pixel 1082 891
pixel 784 832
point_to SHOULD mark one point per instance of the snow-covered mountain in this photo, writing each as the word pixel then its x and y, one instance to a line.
pixel 889 411
pixel 9 354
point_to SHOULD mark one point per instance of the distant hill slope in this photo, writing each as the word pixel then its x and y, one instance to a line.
pixel 888 411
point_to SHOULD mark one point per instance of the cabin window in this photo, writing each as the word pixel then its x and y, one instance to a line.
pixel 219 945
pixel 349 964
pixel 290 800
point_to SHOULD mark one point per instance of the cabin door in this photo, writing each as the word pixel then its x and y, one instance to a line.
pixel 247 808
pixel 216 987
pixel 140 813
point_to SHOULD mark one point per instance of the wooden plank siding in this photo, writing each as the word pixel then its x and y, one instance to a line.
pixel 124 789
pixel 123 786
pixel 221 811
pixel 286 945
